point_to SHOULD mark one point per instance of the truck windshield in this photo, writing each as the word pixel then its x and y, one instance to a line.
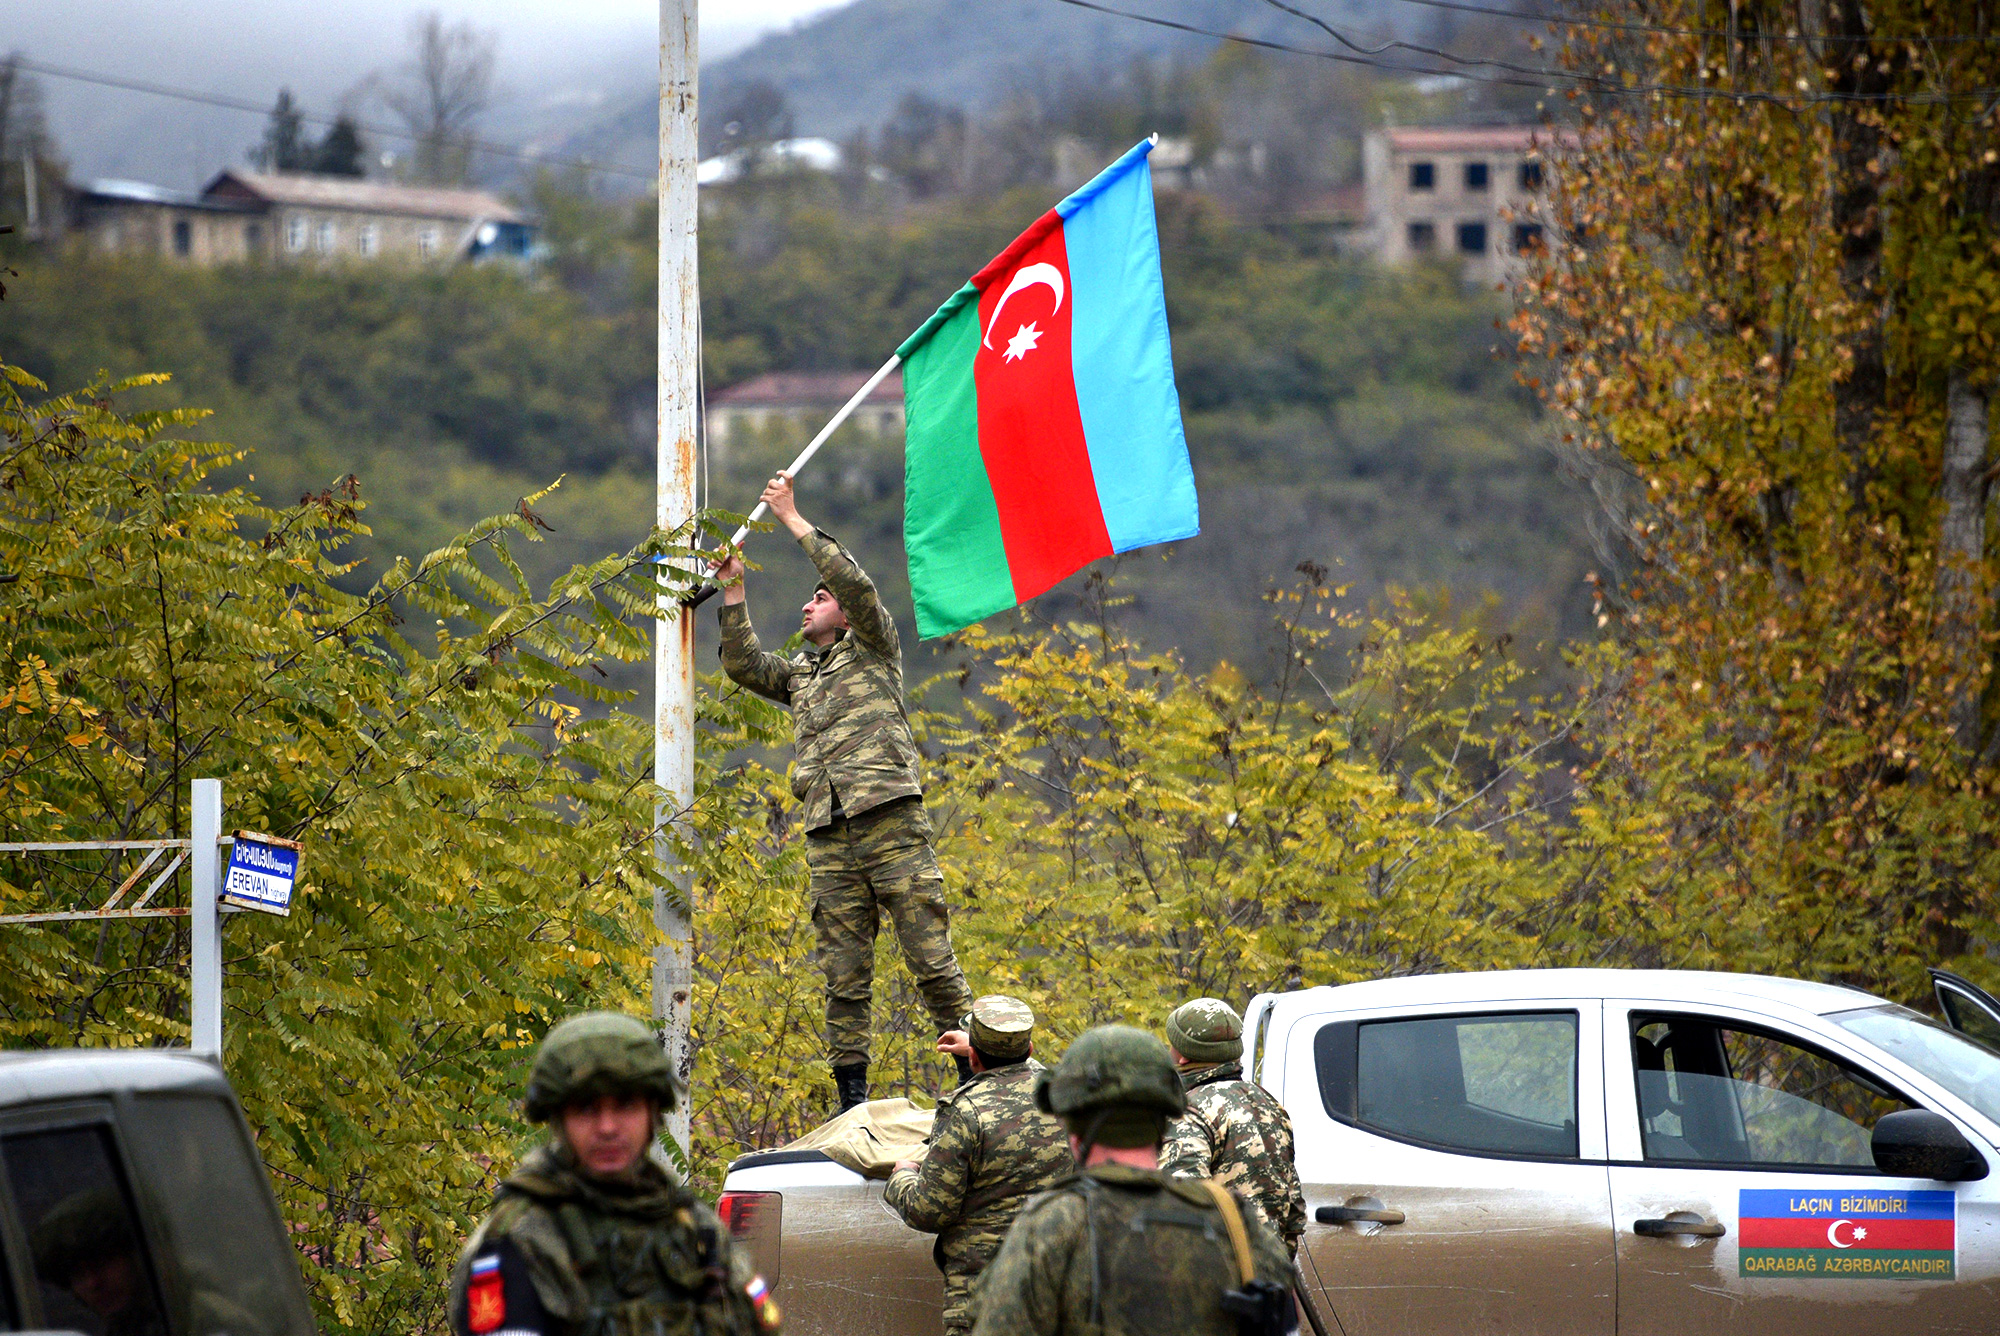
pixel 1967 1069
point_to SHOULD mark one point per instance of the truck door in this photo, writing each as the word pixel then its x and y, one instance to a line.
pixel 1453 1163
pixel 1746 1195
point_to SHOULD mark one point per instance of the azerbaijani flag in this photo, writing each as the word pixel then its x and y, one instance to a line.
pixel 1043 430
pixel 1848 1232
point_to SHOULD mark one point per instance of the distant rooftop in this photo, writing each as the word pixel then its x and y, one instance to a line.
pixel 1464 138
pixel 810 154
pixel 142 192
pixel 806 389
pixel 362 196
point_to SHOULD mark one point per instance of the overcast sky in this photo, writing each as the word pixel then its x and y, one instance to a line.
pixel 571 53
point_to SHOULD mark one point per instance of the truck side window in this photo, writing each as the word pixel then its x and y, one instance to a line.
pixel 1710 1092
pixel 1503 1083
pixel 89 1255
pixel 225 1237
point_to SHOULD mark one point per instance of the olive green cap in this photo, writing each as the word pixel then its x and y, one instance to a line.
pixel 599 1053
pixel 1112 1066
pixel 1206 1030
pixel 1001 1027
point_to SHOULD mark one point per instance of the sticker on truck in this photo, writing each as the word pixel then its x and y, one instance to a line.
pixel 1847 1233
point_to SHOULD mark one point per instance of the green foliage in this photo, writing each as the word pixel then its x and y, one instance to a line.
pixel 1119 834
pixel 478 854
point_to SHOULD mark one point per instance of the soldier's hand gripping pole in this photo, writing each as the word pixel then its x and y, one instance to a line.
pixel 708 591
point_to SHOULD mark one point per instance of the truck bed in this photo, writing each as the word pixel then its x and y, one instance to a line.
pixel 840 1262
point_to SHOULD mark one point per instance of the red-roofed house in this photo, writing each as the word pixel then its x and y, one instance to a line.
pixel 806 399
pixel 1470 192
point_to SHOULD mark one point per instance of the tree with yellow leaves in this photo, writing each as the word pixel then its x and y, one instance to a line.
pixel 1769 308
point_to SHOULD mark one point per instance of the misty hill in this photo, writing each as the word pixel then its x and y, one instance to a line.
pixel 846 70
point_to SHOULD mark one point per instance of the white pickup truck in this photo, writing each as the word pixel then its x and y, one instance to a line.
pixel 1558 1152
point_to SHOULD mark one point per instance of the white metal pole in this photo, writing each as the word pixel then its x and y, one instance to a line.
pixel 812 446
pixel 678 390
pixel 31 190
pixel 205 919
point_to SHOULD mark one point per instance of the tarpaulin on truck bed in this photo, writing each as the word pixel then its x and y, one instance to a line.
pixel 869 1138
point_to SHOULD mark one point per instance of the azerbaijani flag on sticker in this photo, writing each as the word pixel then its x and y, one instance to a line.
pixel 1043 430
pixel 1847 1233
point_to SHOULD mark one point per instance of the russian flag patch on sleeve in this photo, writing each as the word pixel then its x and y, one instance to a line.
pixel 762 1303
pixel 485 1295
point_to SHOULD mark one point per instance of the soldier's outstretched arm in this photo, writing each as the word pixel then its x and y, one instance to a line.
pixel 746 661
pixel 931 1197
pixel 851 587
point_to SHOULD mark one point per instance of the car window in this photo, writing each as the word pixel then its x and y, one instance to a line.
pixel 1970 1071
pixel 1724 1094
pixel 10 1313
pixel 88 1255
pixel 1968 1017
pixel 228 1244
pixel 1495 1084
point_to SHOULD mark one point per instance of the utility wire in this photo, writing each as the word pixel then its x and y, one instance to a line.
pixel 1889 39
pixel 1414 48
pixel 1583 81
pixel 316 118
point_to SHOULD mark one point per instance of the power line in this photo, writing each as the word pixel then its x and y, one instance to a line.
pixel 1585 82
pixel 1412 47
pixel 316 118
pixel 1723 33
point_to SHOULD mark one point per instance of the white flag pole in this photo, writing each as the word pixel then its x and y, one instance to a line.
pixel 708 591
pixel 812 446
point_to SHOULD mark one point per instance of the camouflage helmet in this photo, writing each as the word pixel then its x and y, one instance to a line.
pixel 599 1053
pixel 1206 1030
pixel 1112 1066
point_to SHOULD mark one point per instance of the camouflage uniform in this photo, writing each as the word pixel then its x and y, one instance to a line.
pixel 565 1253
pixel 989 1150
pixel 868 839
pixel 1114 1249
pixel 1233 1131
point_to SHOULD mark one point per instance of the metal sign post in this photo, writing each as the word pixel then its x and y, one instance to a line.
pixel 267 868
pixel 205 920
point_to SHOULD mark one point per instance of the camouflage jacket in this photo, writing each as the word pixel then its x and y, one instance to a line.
pixel 1237 1134
pixel 1158 1246
pixel 852 735
pixel 647 1258
pixel 990 1149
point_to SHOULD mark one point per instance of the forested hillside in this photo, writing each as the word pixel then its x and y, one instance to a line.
pixel 1334 413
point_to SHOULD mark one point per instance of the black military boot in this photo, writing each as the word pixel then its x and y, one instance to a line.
pixel 964 1067
pixel 851 1081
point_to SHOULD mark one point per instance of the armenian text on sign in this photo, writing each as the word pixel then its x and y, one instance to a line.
pixel 262 871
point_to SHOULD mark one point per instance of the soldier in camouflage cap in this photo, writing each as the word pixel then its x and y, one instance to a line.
pixel 868 838
pixel 593 1235
pixel 1234 1131
pixel 988 1151
pixel 1118 1247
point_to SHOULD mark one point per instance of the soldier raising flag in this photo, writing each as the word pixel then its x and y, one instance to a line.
pixel 868 838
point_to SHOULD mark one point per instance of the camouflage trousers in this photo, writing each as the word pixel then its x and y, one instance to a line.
pixel 863 867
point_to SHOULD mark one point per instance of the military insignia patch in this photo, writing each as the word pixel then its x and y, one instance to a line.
pixel 762 1303
pixel 485 1296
